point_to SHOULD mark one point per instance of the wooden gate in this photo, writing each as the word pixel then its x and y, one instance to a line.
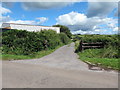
pixel 90 45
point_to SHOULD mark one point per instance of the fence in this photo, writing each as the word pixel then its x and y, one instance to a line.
pixel 90 45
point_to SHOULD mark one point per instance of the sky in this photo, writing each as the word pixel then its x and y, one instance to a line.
pixel 79 17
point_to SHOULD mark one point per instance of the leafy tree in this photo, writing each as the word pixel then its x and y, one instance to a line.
pixel 64 29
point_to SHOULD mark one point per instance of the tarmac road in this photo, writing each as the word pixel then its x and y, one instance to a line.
pixel 61 69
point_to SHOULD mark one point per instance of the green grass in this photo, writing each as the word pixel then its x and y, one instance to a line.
pixel 14 57
pixel 36 55
pixel 107 56
pixel 77 44
pixel 92 55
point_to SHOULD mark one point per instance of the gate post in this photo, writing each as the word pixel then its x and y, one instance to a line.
pixel 80 47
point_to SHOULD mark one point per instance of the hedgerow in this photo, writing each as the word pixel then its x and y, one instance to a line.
pixel 111 44
pixel 22 42
pixel 64 39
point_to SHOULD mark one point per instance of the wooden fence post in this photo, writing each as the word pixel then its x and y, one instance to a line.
pixel 81 46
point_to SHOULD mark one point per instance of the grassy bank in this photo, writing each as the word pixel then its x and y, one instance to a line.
pixel 107 57
pixel 33 56
pixel 91 56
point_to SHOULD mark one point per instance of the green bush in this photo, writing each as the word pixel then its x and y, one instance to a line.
pixel 64 39
pixel 64 29
pixel 51 37
pixel 106 39
pixel 22 42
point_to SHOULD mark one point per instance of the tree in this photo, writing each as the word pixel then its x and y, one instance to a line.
pixel 64 29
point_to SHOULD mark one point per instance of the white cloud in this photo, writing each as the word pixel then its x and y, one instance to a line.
pixel 72 18
pixel 4 10
pixel 117 13
pixel 22 21
pixel 78 22
pixel 42 19
pixel 97 30
pixel 115 29
pixel 44 5
pixel 83 32
pixel 4 18
pixel 111 25
pixel 100 9
pixel 75 18
pixel 32 22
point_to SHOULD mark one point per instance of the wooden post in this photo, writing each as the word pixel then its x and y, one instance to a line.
pixel 81 48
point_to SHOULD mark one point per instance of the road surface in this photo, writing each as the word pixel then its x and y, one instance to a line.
pixel 61 69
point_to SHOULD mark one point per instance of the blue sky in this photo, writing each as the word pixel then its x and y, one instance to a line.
pixel 52 14
pixel 80 17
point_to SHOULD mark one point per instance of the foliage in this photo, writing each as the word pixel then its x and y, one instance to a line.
pixel 106 63
pixel 64 38
pixel 100 53
pixel 107 56
pixel 51 37
pixel 106 39
pixel 22 42
pixel 77 46
pixel 111 43
pixel 65 30
pixel 35 55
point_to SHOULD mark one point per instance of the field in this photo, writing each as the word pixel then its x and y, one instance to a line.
pixel 107 57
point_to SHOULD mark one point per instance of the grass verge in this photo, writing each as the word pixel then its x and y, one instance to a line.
pixel 36 55
pixel 106 63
